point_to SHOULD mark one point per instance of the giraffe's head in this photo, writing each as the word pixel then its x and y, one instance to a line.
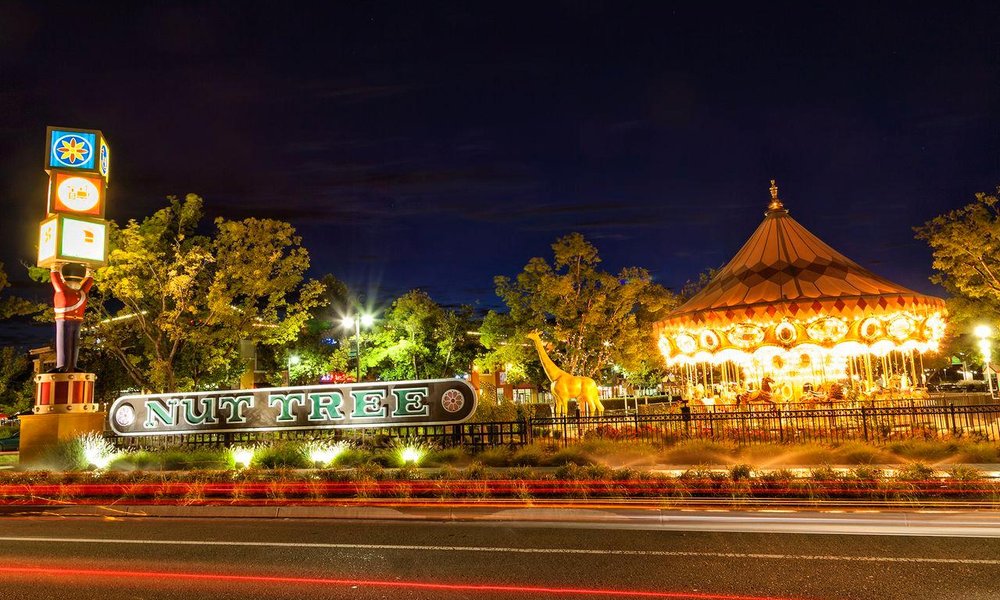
pixel 534 335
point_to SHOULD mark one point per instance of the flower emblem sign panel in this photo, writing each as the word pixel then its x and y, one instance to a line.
pixel 72 150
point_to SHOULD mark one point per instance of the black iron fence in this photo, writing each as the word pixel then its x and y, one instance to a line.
pixel 876 424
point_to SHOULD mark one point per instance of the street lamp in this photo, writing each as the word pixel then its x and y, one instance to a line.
pixel 365 319
pixel 293 359
pixel 984 333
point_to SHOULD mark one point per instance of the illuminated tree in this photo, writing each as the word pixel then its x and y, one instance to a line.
pixel 321 346
pixel 417 338
pixel 597 321
pixel 172 305
pixel 966 244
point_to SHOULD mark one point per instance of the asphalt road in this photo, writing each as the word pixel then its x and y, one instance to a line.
pixel 684 555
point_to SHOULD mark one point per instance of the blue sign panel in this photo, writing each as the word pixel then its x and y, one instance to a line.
pixel 72 150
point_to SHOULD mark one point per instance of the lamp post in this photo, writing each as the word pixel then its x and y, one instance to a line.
pixel 355 321
pixel 293 359
pixel 985 333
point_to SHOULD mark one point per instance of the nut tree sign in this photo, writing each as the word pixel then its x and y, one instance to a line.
pixel 348 406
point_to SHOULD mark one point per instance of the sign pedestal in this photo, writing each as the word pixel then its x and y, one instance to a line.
pixel 64 409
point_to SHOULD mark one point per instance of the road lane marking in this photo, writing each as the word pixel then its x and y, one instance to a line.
pixel 501 549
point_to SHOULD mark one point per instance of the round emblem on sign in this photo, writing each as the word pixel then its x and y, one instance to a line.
pixel 452 401
pixel 125 415
pixel 104 160
pixel 71 150
pixel 79 194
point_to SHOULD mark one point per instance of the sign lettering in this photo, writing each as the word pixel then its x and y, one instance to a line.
pixel 344 406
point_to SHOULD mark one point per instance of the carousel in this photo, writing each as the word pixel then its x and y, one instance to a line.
pixel 791 320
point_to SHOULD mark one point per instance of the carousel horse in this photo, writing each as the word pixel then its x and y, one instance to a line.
pixel 761 396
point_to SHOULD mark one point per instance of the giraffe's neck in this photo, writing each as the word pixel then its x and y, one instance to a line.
pixel 551 370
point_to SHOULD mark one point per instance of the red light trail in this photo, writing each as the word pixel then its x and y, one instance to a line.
pixel 411 585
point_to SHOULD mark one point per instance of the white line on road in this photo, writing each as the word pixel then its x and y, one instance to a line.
pixel 498 549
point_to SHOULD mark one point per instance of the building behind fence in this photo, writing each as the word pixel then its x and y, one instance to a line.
pixel 875 424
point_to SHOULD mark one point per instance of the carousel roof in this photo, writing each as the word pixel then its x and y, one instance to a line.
pixel 783 270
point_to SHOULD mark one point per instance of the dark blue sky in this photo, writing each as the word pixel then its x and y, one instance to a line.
pixel 436 145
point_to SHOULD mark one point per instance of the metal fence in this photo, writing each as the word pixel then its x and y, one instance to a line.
pixel 876 424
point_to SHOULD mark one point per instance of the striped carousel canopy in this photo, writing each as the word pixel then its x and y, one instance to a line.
pixel 787 292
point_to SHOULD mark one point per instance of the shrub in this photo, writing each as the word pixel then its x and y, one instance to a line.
pixel 867 473
pixel 495 457
pixel 773 483
pixel 740 472
pixel 84 452
pixel 979 452
pixel 283 455
pixel 572 455
pixel 967 479
pixel 529 456
pixel 697 452
pixel 859 453
pixel 915 471
pixel 476 471
pixel 448 456
pixel 355 457
pixel 923 450
pixel 825 473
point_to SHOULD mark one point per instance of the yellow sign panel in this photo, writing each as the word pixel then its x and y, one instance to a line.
pixel 47 242
pixel 73 239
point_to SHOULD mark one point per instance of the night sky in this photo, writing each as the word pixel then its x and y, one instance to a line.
pixel 435 145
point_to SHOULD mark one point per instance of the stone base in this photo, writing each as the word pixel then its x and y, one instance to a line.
pixel 40 433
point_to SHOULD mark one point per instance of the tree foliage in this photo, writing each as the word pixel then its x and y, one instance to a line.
pixel 172 304
pixel 320 347
pixel 966 244
pixel 16 382
pixel 597 321
pixel 12 306
pixel 417 338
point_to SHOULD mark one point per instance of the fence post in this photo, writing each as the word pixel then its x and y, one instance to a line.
pixel 951 409
pixel 864 421
pixel 781 427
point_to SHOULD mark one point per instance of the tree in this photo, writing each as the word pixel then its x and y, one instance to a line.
pixel 596 320
pixel 319 348
pixel 16 383
pixel 693 288
pixel 12 306
pixel 966 244
pixel 417 338
pixel 173 305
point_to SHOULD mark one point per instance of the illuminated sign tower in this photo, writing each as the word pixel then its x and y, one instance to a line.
pixel 74 233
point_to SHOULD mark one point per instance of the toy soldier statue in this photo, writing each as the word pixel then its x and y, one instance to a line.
pixel 70 301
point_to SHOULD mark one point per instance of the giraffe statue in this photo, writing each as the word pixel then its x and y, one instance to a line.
pixel 565 386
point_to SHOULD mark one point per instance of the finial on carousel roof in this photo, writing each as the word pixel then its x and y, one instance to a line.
pixel 775 205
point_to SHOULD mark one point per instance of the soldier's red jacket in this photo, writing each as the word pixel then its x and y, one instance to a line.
pixel 70 303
